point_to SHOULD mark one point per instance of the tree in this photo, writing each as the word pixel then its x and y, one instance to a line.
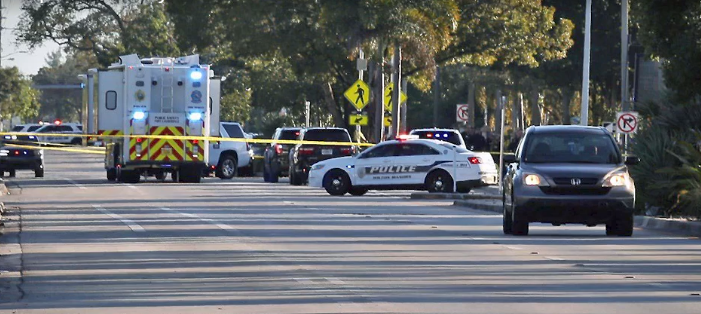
pixel 17 97
pixel 670 30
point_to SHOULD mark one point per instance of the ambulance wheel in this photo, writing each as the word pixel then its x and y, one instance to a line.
pixel 190 175
pixel 439 181
pixel 160 176
pixel 39 173
pixel 12 173
pixel 357 191
pixel 174 176
pixel 336 182
pixel 111 174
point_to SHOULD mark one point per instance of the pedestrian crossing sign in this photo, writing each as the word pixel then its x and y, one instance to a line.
pixel 388 97
pixel 358 119
pixel 358 94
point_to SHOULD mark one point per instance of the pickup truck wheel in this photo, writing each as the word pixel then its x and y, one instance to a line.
pixel 228 167
pixel 266 174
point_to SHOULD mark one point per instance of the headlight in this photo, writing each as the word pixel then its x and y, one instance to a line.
pixel 534 180
pixel 616 179
pixel 317 167
pixel 4 151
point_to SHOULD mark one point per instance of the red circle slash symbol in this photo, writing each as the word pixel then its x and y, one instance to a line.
pixel 463 113
pixel 627 123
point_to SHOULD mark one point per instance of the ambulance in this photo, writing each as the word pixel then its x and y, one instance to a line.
pixel 145 107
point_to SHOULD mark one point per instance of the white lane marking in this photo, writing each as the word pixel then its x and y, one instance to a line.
pixel 554 258
pixel 130 223
pixel 304 281
pixel 335 281
pixel 513 248
pixel 71 181
pixel 207 220
pixel 288 202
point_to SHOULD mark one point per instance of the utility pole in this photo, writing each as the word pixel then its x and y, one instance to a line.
pixel 585 75
pixel 361 72
pixel 624 55
pixel 405 87
pixel 396 89
pixel 380 97
pixel 436 96
pixel 1 33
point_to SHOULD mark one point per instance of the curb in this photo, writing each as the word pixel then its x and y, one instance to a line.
pixel 673 226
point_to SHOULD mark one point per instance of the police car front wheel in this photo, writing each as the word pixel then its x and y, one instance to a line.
pixel 439 181
pixel 337 182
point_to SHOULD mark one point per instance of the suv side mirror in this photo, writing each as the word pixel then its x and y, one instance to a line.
pixel 509 158
pixel 632 160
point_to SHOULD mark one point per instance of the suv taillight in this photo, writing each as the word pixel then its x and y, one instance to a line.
pixel 475 160
pixel 278 149
pixel 306 150
pixel 347 150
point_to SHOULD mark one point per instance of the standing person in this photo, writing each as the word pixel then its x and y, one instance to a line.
pixel 518 135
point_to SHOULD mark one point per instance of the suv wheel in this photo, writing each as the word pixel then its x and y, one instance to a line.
pixel 266 174
pixel 228 167
pixel 439 181
pixel 507 223
pixel 336 182
pixel 624 225
pixel 519 223
pixel 295 179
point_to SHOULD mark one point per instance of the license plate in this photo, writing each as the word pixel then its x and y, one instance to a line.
pixel 167 150
pixel 327 151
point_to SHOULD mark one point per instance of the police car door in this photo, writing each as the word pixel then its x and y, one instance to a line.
pixel 49 132
pixel 412 163
pixel 371 166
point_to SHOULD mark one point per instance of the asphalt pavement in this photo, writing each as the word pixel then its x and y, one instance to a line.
pixel 76 243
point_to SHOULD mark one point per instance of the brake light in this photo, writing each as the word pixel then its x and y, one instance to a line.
pixel 429 135
pixel 403 137
pixel 475 160
pixel 139 140
pixel 278 149
pixel 16 152
pixel 195 141
pixel 347 151
pixel 306 151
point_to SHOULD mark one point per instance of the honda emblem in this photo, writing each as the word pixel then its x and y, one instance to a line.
pixel 576 181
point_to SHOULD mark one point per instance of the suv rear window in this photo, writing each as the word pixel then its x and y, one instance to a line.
pixel 450 137
pixel 289 134
pixel 233 130
pixel 33 128
pixel 17 128
pixel 331 135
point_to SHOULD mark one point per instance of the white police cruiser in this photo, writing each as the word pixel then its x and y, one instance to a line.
pixel 407 163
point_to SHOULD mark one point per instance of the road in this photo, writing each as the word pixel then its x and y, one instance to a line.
pixel 78 244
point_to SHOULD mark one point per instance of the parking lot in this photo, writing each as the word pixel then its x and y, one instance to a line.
pixel 76 243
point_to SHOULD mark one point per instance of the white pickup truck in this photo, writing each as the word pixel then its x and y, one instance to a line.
pixel 227 157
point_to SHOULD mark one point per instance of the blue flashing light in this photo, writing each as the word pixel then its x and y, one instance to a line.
pixel 196 75
pixel 139 115
pixel 195 116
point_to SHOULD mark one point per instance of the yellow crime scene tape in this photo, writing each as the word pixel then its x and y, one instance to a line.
pixel 205 138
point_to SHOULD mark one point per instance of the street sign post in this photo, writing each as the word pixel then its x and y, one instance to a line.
pixel 388 97
pixel 358 94
pixel 462 113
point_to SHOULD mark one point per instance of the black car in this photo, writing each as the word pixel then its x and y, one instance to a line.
pixel 569 174
pixel 276 163
pixel 304 156
pixel 21 152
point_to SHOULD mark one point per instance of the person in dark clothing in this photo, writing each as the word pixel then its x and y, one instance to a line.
pixel 476 141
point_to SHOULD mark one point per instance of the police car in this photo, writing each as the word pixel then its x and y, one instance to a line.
pixel 60 133
pixel 407 163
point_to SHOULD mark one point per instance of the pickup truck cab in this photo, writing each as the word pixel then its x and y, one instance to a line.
pixel 227 157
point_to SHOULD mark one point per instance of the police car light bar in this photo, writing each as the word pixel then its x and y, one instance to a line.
pixel 403 137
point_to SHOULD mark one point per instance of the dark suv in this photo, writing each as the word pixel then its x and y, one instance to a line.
pixel 569 174
pixel 276 163
pixel 304 156
pixel 21 152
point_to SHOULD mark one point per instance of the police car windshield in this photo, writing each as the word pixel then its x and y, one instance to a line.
pixel 445 136
pixel 329 135
pixel 571 147
pixel 457 148
pixel 33 128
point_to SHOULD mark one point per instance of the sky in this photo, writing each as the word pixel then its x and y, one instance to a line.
pixel 28 63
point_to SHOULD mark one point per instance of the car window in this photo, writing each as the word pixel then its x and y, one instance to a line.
pixel 33 128
pixel 288 134
pixel 327 135
pixel 234 130
pixel 46 129
pixel 80 127
pixel 386 150
pixel 413 149
pixel 17 128
pixel 445 136
pixel 64 128
pixel 571 147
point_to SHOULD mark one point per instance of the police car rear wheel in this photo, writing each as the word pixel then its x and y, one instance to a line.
pixel 336 183
pixel 357 191
pixel 439 182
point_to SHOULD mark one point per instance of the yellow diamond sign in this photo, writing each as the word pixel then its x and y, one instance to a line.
pixel 388 121
pixel 388 97
pixel 358 119
pixel 358 94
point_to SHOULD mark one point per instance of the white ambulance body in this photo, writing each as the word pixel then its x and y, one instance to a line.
pixel 156 97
